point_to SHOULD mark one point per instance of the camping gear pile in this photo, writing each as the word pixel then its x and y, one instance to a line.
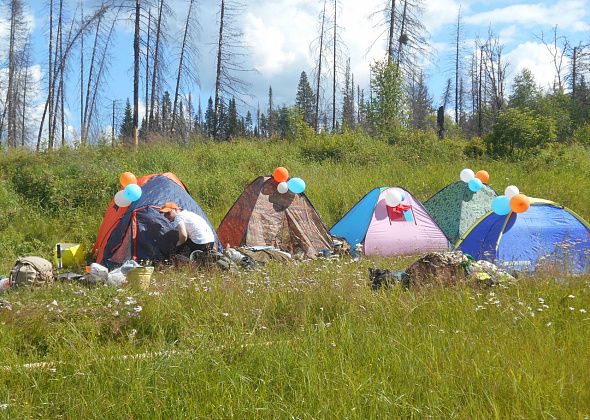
pixel 273 220
pixel 441 268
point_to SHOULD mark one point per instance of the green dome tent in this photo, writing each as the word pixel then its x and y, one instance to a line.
pixel 456 208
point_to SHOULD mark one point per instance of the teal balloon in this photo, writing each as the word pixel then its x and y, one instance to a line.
pixel 132 192
pixel 296 185
pixel 475 184
pixel 501 205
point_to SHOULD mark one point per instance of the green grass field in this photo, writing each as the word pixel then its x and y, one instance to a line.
pixel 306 340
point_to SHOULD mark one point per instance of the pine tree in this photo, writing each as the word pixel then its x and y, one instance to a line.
pixel 126 129
pixel 232 129
pixel 248 124
pixel 271 124
pixel 348 99
pixel 209 119
pixel 305 100
pixel 166 112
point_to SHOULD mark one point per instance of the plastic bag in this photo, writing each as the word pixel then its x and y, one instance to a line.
pixel 116 277
pixel 99 272
pixel 4 284
pixel 128 266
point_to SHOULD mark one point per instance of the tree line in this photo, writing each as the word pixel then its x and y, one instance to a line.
pixel 474 103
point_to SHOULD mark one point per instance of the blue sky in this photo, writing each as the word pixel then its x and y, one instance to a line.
pixel 279 32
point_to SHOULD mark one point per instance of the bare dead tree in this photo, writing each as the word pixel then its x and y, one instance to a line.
pixel 84 127
pixel 458 33
pixel 157 56
pixel 334 70
pixel 391 36
pixel 557 46
pixel 495 72
pixel 231 53
pixel 17 36
pixel 319 69
pixel 147 70
pixel 184 62
pixel 72 40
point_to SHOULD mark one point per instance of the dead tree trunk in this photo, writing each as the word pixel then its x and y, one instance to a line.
pixel 319 77
pixel 391 29
pixel 218 71
pixel 156 61
pixel 147 72
pixel 136 71
pixel 334 69
pixel 182 49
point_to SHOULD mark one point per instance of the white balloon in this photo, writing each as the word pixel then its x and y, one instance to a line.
pixel 121 200
pixel 282 188
pixel 393 197
pixel 511 191
pixel 467 174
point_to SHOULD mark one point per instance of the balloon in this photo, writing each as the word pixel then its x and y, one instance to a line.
pixel 121 200
pixel 280 174
pixel 393 197
pixel 132 192
pixel 466 175
pixel 127 178
pixel 501 205
pixel 283 187
pixel 296 185
pixel 483 176
pixel 475 184
pixel 519 203
pixel 511 191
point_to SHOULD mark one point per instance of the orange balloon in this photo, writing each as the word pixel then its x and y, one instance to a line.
pixel 280 174
pixel 483 176
pixel 127 178
pixel 519 203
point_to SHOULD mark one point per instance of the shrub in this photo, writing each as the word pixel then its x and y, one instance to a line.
pixel 518 132
pixel 582 135
pixel 476 148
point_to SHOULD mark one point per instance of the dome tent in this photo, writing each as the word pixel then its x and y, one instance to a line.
pixel 456 208
pixel 385 231
pixel 261 216
pixel 547 235
pixel 140 231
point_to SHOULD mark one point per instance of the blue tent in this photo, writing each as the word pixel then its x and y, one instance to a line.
pixel 547 235
pixel 140 231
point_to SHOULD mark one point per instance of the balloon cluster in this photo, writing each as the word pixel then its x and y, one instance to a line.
pixel 512 200
pixel 394 198
pixel 475 181
pixel 131 191
pixel 281 176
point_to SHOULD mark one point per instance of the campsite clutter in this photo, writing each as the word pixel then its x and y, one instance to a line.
pixel 273 220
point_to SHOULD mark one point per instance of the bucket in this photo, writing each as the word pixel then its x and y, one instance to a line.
pixel 140 277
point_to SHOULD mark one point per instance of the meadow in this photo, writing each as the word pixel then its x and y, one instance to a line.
pixel 306 340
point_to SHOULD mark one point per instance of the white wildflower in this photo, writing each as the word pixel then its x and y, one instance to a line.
pixel 571 296
pixel 130 301
pixel 138 309
pixel 54 302
pixel 541 300
pixel 572 308
pixel 3 406
pixel 548 324
pixel 226 314
pixel 582 311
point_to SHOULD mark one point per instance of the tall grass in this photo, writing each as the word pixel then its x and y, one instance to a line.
pixel 298 340
pixel 61 196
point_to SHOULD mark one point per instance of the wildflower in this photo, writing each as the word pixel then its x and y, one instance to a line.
pixel 572 308
pixel 548 324
pixel 54 302
pixel 541 300
pixel 479 308
pixel 333 344
pixel 225 314
pixel 571 296
pixel 115 313
pixel 130 301
pixel 582 311
pixel 138 309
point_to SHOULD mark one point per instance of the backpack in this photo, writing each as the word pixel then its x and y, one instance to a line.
pixel 31 271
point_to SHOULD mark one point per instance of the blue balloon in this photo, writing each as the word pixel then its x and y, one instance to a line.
pixel 501 205
pixel 296 185
pixel 132 192
pixel 475 184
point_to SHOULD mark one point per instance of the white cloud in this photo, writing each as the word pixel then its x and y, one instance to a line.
pixel 535 57
pixel 565 13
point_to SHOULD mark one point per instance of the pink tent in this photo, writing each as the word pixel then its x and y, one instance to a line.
pixel 406 229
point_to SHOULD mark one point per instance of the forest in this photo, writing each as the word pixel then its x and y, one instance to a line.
pixel 502 116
